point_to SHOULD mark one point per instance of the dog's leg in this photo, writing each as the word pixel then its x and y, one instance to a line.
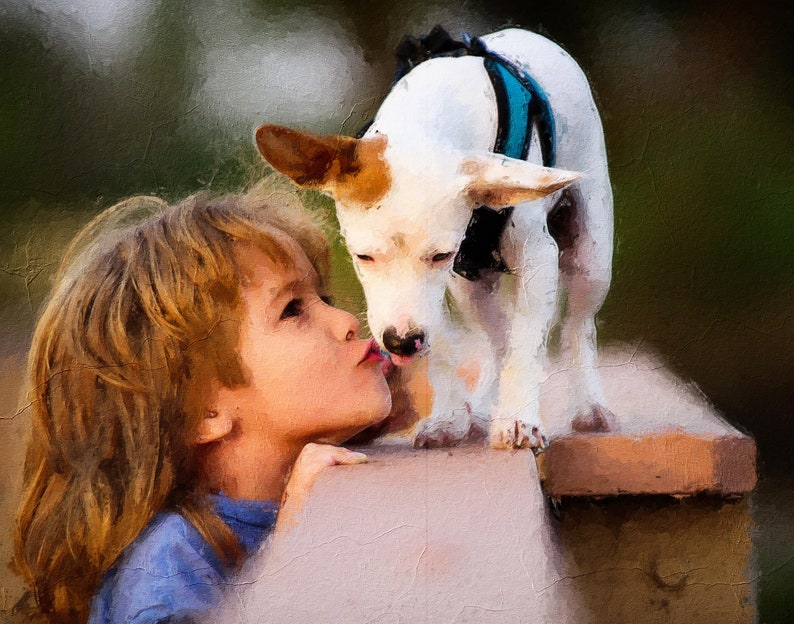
pixel 580 353
pixel 459 366
pixel 481 304
pixel 447 424
pixel 515 420
pixel 585 273
pixel 450 417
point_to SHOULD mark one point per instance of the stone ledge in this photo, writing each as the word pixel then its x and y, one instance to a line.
pixel 466 535
pixel 669 439
pixel 675 463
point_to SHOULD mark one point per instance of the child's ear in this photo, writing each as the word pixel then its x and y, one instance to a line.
pixel 214 426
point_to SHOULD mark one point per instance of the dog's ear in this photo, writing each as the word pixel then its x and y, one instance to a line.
pixel 497 181
pixel 344 167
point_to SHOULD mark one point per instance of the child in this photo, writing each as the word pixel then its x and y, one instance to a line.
pixel 182 370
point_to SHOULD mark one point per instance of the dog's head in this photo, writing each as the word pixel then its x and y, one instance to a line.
pixel 403 214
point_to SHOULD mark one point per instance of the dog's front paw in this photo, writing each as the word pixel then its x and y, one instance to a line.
pixel 593 419
pixel 433 433
pixel 515 433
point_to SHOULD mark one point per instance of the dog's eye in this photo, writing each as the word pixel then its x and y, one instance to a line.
pixel 442 257
pixel 365 258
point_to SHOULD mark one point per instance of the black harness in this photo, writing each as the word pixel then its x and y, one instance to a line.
pixel 521 104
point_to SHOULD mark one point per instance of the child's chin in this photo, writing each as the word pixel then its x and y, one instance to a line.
pixel 372 417
pixel 385 408
pixel 381 406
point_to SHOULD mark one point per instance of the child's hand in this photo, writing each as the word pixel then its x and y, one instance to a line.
pixel 314 458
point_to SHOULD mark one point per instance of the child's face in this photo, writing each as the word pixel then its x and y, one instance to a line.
pixel 309 375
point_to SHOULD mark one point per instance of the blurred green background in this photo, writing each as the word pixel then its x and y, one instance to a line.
pixel 102 99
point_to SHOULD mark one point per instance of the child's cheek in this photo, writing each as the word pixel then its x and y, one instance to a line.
pixel 324 354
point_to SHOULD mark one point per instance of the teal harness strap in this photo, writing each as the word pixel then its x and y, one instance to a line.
pixel 521 103
pixel 514 105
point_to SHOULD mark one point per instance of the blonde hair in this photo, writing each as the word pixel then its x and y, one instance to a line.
pixel 142 319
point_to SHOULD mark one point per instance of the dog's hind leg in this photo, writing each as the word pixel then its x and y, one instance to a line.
pixel 585 270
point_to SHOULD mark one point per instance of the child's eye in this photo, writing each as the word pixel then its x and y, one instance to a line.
pixel 292 309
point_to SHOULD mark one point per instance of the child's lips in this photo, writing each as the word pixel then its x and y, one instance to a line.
pixel 373 354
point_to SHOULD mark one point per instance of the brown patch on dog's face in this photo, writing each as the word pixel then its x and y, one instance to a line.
pixel 352 170
pixel 370 179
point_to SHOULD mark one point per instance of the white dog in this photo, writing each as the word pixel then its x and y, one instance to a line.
pixel 406 193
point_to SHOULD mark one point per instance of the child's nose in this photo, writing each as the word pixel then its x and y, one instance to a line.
pixel 347 324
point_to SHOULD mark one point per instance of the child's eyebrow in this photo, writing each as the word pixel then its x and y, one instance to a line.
pixel 288 288
pixel 310 280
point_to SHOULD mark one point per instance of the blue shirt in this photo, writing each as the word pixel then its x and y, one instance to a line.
pixel 170 573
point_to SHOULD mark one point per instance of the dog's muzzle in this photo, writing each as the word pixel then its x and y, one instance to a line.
pixel 408 345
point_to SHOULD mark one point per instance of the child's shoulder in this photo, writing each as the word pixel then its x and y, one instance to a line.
pixel 167 544
pixel 168 570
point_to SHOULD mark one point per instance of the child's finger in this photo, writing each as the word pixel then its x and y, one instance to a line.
pixel 347 457
pixel 317 456
pixel 313 459
pixel 329 455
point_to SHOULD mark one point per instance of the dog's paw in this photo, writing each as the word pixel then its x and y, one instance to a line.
pixel 593 419
pixel 439 433
pixel 514 433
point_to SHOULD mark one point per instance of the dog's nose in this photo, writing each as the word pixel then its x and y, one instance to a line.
pixel 409 344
